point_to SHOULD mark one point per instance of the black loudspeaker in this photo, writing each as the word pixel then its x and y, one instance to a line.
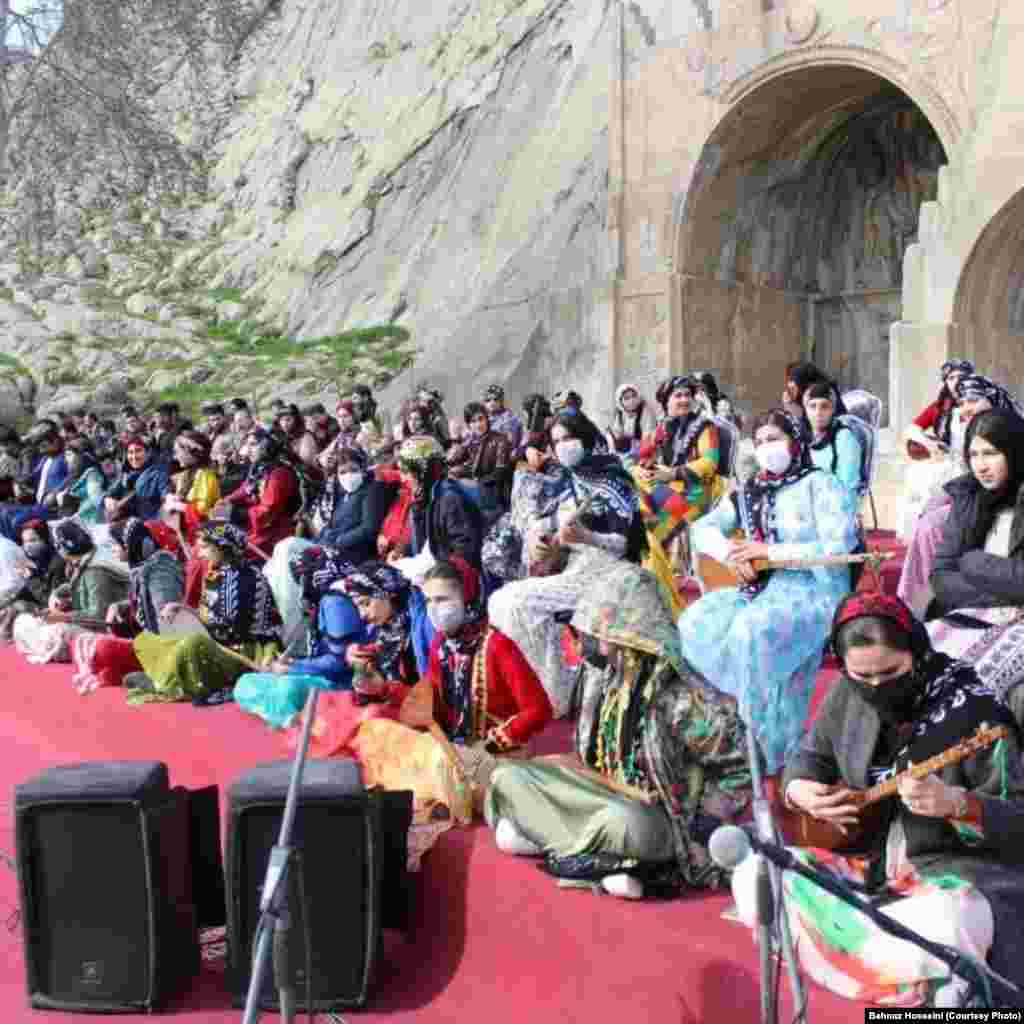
pixel 104 873
pixel 352 844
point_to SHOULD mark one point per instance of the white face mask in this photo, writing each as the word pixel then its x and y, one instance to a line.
pixel 773 456
pixel 569 453
pixel 350 481
pixel 447 616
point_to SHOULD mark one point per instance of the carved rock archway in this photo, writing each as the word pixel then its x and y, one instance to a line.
pixel 756 255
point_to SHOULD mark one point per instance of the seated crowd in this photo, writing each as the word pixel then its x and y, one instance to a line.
pixel 451 585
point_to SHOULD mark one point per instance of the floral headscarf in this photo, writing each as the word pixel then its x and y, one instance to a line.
pixel 225 536
pixel 667 387
pixel 494 393
pixel 71 539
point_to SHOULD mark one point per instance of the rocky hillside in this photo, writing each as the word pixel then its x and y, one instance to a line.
pixel 391 180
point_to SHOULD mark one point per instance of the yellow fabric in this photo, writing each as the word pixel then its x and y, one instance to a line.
pixel 705 465
pixel 205 491
pixel 658 565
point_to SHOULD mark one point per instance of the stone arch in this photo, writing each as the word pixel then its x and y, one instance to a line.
pixel 988 309
pixel 798 213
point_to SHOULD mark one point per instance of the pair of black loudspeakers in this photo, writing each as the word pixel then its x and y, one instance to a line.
pixel 118 871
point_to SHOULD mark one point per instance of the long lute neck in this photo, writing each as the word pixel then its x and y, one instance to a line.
pixel 962 750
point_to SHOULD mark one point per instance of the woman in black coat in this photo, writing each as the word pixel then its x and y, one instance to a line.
pixel 348 514
pixel 978 576
pixel 946 857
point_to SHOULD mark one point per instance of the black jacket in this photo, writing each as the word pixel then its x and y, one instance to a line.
pixel 356 522
pixel 452 524
pixel 964 575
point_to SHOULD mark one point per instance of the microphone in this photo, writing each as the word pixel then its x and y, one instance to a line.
pixel 729 846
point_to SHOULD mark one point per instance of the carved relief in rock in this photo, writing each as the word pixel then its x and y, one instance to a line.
pixel 801 22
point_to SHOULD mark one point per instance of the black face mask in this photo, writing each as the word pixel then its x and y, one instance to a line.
pixel 894 698
pixel 590 652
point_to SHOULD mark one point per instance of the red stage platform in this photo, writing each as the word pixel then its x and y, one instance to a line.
pixel 493 938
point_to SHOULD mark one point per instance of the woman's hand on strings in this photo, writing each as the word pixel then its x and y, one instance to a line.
pixel 834 804
pixel 930 797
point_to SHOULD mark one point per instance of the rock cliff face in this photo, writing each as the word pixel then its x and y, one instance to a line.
pixel 441 165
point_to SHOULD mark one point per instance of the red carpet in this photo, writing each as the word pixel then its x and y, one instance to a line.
pixel 491 935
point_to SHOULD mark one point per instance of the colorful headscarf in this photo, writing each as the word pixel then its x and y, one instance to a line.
pixel 877 605
pixel 976 386
pixel 71 539
pixel 494 393
pixel 134 536
pixel 228 538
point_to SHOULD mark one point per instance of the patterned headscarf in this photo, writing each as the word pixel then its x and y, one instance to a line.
pixel 317 570
pixel 394 637
pixel 964 366
pixel 225 536
pixel 71 539
pixel 494 393
pixel 877 605
pixel 977 386
pixel 378 580
pixel 133 534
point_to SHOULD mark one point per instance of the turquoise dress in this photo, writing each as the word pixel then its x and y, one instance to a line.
pixel 842 458
pixel 765 650
pixel 89 488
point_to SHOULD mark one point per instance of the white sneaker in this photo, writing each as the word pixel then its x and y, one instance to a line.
pixel 625 886
pixel 510 840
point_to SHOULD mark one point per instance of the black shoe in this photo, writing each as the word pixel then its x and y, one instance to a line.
pixel 139 681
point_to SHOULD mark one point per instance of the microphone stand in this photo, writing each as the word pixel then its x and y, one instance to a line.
pixel 275 918
pixel 966 967
pixel 771 924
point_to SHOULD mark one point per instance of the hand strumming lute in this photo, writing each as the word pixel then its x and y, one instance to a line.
pixel 802 829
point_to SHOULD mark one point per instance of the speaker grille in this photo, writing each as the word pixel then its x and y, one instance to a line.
pixel 88 919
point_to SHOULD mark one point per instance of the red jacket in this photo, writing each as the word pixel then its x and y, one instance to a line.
pixel 512 706
pixel 271 516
